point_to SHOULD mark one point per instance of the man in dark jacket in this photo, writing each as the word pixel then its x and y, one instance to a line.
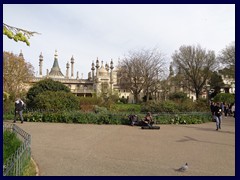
pixel 19 106
pixel 218 115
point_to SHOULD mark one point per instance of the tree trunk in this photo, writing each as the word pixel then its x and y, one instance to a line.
pixel 136 98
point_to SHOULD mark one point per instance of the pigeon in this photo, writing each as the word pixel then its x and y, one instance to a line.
pixel 183 168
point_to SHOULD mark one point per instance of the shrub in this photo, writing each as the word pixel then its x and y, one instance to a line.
pixel 56 101
pixel 202 105
pixel 90 100
pixel 169 106
pixel 178 96
pixel 136 108
pixel 102 117
pixel 164 106
pixel 186 118
pixel 42 86
pixel 105 117
pixel 225 97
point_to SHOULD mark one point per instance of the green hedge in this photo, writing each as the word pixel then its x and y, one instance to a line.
pixel 183 118
pixel 76 117
pixel 105 117
pixel 59 100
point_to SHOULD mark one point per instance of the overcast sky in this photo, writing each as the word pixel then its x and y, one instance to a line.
pixel 111 31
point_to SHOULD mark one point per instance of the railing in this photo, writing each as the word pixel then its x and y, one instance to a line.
pixel 15 164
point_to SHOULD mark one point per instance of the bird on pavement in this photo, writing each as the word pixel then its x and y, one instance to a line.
pixel 183 168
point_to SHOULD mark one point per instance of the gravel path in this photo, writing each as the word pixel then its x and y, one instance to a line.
pixel 118 150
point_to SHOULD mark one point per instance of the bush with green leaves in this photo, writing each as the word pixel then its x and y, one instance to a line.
pixel 130 108
pixel 183 118
pixel 106 117
pixel 178 96
pixel 164 106
pixel 169 106
pixel 42 86
pixel 103 117
pixel 88 103
pixel 225 97
pixel 56 101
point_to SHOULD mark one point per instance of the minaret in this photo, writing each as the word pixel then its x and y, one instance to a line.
pixel 67 71
pixel 93 71
pixel 96 80
pixel 21 54
pixel 111 74
pixel 40 64
pixel 72 62
pixel 77 75
pixel 97 66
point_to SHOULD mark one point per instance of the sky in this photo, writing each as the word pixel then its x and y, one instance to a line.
pixel 110 31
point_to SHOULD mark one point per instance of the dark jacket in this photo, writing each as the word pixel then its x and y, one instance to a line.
pixel 19 106
pixel 218 111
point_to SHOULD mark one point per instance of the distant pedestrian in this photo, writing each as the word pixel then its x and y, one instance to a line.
pixel 233 109
pixel 19 106
pixel 212 108
pixel 226 109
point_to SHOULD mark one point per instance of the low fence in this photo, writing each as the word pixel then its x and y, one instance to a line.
pixel 15 164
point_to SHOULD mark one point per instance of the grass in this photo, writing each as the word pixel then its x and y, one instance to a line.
pixel 30 169
pixel 10 144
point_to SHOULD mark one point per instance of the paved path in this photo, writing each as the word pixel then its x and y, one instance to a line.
pixel 103 150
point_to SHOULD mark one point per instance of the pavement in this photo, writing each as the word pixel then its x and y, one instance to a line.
pixel 118 150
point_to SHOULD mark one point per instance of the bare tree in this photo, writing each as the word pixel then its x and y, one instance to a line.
pixel 141 70
pixel 15 73
pixel 227 58
pixel 196 64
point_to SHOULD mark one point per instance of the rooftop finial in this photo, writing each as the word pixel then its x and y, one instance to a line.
pixel 56 54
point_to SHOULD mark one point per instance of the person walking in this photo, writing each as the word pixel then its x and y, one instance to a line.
pixel 19 106
pixel 218 115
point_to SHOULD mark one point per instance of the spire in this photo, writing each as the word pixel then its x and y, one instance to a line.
pixel 72 59
pixel 92 66
pixel 21 54
pixel 41 57
pixel 97 63
pixel 72 62
pixel 111 65
pixel 55 71
pixel 40 64
pixel 55 55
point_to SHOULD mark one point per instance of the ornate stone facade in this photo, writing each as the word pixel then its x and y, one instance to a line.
pixel 101 80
